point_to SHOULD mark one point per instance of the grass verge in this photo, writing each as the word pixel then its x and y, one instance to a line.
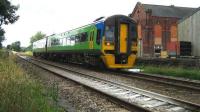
pixel 28 53
pixel 172 71
pixel 21 93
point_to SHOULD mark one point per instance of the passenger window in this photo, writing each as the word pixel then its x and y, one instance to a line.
pixel 98 36
pixel 61 41
pixel 68 40
pixel 83 37
pixel 72 40
pixel 77 38
pixel 55 41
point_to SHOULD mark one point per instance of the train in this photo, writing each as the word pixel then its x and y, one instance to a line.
pixel 111 42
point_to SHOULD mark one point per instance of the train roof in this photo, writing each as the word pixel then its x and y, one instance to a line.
pixel 120 16
pixel 95 22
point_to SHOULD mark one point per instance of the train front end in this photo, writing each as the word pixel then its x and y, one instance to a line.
pixel 119 43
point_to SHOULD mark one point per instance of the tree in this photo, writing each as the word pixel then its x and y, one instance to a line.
pixel 16 46
pixel 7 12
pixel 1 36
pixel 7 15
pixel 39 35
pixel 8 47
pixel 29 48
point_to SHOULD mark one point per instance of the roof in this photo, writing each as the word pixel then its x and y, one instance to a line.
pixel 168 11
pixel 192 13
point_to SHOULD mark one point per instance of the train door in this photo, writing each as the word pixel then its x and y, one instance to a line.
pixel 91 40
pixel 123 37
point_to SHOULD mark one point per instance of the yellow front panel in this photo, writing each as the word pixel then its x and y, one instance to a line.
pixel 123 37
pixel 106 47
pixel 109 61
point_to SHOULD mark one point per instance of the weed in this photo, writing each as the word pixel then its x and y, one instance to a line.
pixel 20 93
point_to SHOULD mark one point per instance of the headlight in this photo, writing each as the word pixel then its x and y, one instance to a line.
pixel 107 43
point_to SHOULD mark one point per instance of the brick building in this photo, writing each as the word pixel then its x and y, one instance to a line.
pixel 157 28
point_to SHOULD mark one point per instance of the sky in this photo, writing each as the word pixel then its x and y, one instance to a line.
pixel 56 16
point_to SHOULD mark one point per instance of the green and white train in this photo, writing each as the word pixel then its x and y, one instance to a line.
pixel 112 42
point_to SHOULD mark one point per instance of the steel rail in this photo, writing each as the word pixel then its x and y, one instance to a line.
pixel 178 82
pixel 124 93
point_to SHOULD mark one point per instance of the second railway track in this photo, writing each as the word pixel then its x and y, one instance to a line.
pixel 178 82
pixel 166 80
pixel 131 97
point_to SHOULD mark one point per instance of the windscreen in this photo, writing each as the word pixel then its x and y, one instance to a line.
pixel 109 33
pixel 110 30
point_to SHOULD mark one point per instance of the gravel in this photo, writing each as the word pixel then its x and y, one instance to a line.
pixel 72 97
pixel 168 90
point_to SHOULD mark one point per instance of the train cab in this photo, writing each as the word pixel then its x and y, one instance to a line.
pixel 119 43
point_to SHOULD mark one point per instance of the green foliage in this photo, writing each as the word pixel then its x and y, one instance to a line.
pixel 20 93
pixel 7 15
pixel 29 48
pixel 2 38
pixel 39 35
pixel 28 53
pixel 16 46
pixel 8 47
pixel 172 71
pixel 23 49
pixel 7 12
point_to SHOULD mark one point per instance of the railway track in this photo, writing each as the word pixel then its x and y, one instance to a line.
pixel 130 97
pixel 178 82
pixel 183 62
